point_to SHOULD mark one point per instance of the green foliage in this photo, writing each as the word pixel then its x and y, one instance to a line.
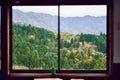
pixel 101 43
pixel 98 40
pixel 87 37
pixel 33 47
pixel 37 48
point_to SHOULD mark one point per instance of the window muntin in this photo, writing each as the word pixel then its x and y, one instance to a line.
pixel 68 61
pixel 34 37
pixel 83 33
pixel 0 37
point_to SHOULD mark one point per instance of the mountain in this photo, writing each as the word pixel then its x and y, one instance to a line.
pixel 74 25
pixel 36 19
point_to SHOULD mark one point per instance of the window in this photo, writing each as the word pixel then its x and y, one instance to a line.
pixel 83 37
pixel 67 38
pixel 35 34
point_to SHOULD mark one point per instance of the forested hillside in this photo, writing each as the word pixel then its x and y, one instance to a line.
pixel 37 48
pixel 34 47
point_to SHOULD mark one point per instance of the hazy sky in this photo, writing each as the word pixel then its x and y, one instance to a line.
pixel 83 10
pixel 67 11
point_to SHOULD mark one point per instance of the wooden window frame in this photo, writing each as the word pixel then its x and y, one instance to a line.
pixel 61 73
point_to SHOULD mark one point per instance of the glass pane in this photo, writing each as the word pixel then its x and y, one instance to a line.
pixel 83 37
pixel 34 37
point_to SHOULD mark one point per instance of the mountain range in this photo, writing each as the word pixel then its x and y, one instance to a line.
pixel 74 25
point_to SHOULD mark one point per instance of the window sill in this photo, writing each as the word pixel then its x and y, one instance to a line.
pixel 60 75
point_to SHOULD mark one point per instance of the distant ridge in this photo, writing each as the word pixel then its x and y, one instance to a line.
pixel 75 25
